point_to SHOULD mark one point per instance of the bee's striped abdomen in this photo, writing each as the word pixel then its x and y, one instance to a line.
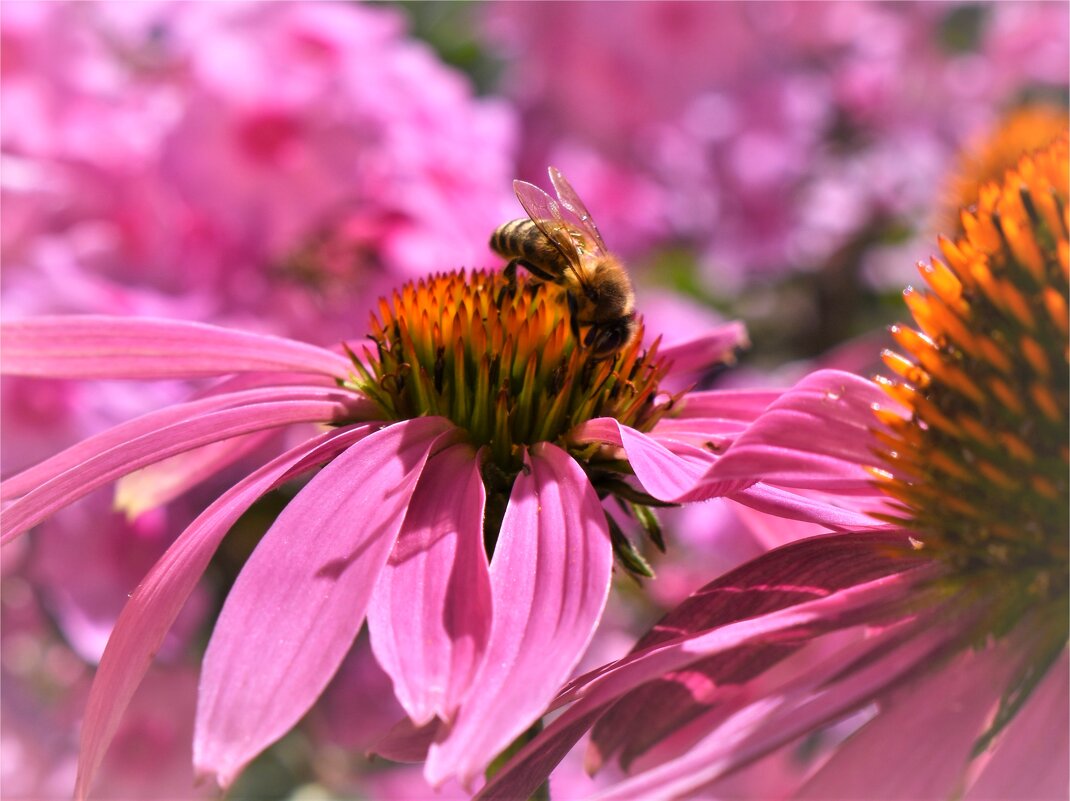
pixel 516 239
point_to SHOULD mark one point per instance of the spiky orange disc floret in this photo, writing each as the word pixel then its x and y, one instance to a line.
pixel 1025 129
pixel 980 468
pixel 501 364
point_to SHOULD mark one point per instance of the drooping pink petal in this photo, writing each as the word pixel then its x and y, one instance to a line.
pixel 158 484
pixel 406 742
pixel 667 474
pixel 776 711
pixel 828 513
pixel 299 601
pixel 804 571
pixel 930 725
pixel 742 405
pixel 96 346
pixel 716 346
pixel 816 435
pixel 430 615
pixel 89 447
pixel 156 602
pixel 591 694
pixel 550 580
pixel 115 457
pixel 1031 758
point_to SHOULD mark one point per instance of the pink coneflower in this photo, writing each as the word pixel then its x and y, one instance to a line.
pixel 457 507
pixel 948 627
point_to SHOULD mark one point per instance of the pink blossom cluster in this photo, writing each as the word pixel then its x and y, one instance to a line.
pixel 272 162
pixel 281 165
pixel 767 137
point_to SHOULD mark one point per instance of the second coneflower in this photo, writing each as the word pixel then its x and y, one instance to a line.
pixel 457 505
pixel 955 615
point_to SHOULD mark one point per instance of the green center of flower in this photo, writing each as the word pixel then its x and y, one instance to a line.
pixel 979 470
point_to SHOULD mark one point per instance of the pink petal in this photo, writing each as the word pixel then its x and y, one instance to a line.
pixel 156 602
pixel 145 424
pixel 667 474
pixel 775 711
pixel 591 694
pixel 929 725
pixel 406 742
pixel 1016 766
pixel 804 571
pixel 299 601
pixel 96 346
pixel 115 456
pixel 742 405
pixel 712 348
pixel 158 484
pixel 808 509
pixel 430 614
pixel 815 435
pixel 550 580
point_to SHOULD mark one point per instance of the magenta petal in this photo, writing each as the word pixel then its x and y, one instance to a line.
pixel 815 435
pixel 406 742
pixel 158 484
pixel 714 347
pixel 299 601
pixel 804 571
pixel 792 505
pixel 550 580
pixel 92 346
pixel 147 423
pixel 430 614
pixel 1016 767
pixel 771 711
pixel 930 725
pixel 114 457
pixel 156 602
pixel 742 405
pixel 667 474
pixel 591 694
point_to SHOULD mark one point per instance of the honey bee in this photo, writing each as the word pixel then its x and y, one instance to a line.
pixel 559 243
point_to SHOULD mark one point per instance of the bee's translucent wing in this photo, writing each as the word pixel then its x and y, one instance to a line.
pixel 545 212
pixel 571 201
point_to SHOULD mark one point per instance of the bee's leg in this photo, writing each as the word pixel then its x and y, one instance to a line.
pixel 510 277
pixel 573 315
